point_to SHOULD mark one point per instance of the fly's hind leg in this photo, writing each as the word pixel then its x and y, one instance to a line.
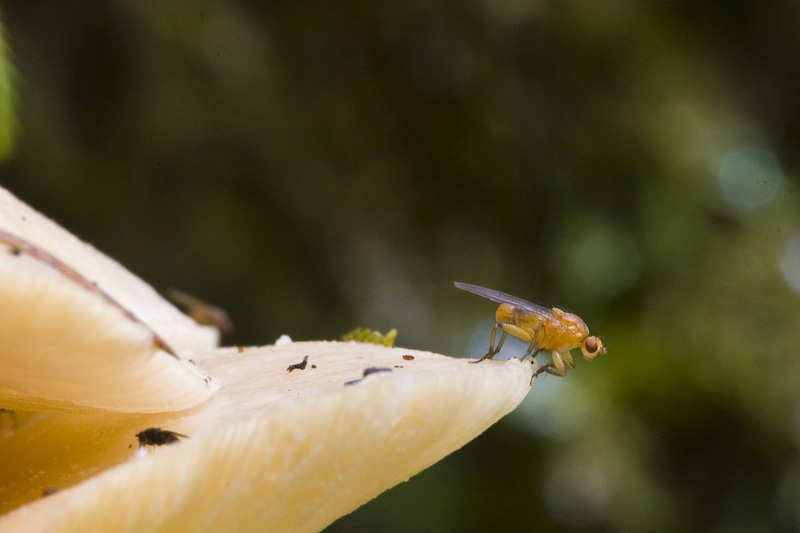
pixel 492 350
pixel 518 332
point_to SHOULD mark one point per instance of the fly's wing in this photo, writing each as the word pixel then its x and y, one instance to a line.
pixel 503 298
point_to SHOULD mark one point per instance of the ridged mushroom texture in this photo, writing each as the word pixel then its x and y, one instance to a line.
pixel 78 332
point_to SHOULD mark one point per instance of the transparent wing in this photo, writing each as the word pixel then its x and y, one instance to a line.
pixel 503 298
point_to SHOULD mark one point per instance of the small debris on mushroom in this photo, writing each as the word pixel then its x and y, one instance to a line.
pixel 298 366
pixel 367 372
pixel 158 437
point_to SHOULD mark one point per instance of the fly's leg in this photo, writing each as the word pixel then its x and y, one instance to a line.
pixel 550 369
pixel 547 368
pixel 562 361
pixel 492 350
pixel 533 347
pixel 557 367
pixel 518 332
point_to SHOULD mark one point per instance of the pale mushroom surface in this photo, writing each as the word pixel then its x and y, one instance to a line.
pixel 272 450
pixel 278 438
pixel 79 332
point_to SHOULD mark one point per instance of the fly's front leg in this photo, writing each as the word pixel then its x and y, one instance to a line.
pixel 557 367
pixel 550 370
pixel 492 350
pixel 562 361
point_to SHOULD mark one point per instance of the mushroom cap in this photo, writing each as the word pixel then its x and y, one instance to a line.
pixel 79 332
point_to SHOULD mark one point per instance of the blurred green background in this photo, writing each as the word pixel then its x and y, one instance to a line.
pixel 317 166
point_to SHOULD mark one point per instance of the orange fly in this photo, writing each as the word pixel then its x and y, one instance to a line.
pixel 546 330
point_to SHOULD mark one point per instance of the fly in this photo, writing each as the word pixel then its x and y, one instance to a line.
pixel 545 330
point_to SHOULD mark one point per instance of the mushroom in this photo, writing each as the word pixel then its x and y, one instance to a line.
pixel 78 332
pixel 269 450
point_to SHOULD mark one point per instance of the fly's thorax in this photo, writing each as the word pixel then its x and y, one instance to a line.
pixel 566 332
pixel 571 323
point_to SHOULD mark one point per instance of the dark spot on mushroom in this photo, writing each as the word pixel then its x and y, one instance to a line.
pixel 158 437
pixel 367 371
pixel 298 366
pixel 375 370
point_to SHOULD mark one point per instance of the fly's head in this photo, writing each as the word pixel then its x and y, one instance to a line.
pixel 591 347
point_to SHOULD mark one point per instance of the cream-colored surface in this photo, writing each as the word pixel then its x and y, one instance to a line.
pixel 66 346
pixel 90 356
pixel 180 332
pixel 272 450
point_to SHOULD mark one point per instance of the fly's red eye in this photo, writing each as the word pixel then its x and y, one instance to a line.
pixel 591 345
